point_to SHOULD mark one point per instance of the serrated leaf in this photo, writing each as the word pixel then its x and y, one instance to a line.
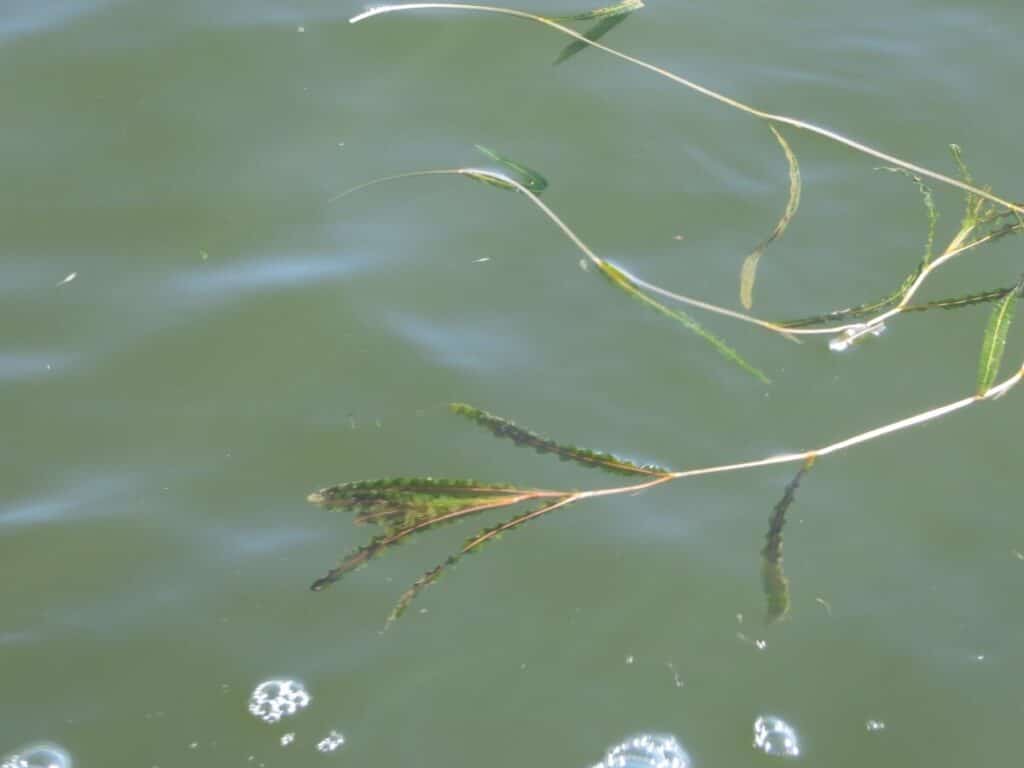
pixel 773 579
pixel 504 428
pixel 431 576
pixel 619 278
pixel 409 506
pixel 526 176
pixel 929 205
pixel 748 273
pixel 994 344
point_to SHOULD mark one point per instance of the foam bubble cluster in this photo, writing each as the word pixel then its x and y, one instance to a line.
pixel 646 751
pixel 274 699
pixel 330 742
pixel 39 756
pixel 774 736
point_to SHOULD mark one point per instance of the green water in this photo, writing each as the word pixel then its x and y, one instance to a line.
pixel 232 341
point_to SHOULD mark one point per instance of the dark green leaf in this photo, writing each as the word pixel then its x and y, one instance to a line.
pixel 500 427
pixel 488 534
pixel 773 580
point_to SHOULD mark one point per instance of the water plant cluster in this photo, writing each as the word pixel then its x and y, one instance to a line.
pixel 404 507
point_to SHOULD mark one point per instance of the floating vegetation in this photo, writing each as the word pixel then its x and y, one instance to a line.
pixel 607 19
pixel 749 271
pixel 774 581
pixel 403 507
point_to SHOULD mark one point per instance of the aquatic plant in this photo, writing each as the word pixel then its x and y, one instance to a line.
pixel 403 507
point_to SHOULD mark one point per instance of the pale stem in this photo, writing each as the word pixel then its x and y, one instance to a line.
pixel 783 119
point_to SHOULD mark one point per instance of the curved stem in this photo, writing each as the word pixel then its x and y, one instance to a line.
pixel 719 97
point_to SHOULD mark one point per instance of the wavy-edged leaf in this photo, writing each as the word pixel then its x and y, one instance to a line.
pixel 504 428
pixel 968 300
pixel 619 278
pixel 994 344
pixel 626 6
pixel 748 273
pixel 974 204
pixel 408 506
pixel 435 573
pixel 773 579
pixel 405 501
pixel 929 204
pixel 525 175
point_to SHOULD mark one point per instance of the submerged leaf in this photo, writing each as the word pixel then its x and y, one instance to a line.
pixel 595 33
pixel 431 576
pixel 500 427
pixel 773 580
pixel 407 506
pixel 526 176
pixel 994 343
pixel 619 278
pixel 749 271
pixel 929 204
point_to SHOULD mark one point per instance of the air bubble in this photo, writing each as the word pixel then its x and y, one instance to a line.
pixel 774 736
pixel 274 699
pixel 647 751
pixel 855 334
pixel 39 756
pixel 330 742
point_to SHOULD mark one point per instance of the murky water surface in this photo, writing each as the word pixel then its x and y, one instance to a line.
pixel 195 337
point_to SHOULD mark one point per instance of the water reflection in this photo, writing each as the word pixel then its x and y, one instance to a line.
pixel 39 756
pixel 330 742
pixel 647 751
pixel 774 736
pixel 274 699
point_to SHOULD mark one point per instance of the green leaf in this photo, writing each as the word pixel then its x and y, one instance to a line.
pixel 526 176
pixel 929 204
pixel 595 33
pixel 408 506
pixel 974 205
pixel 619 278
pixel 773 580
pixel 500 427
pixel 748 273
pixel 626 6
pixel 488 534
pixel 994 343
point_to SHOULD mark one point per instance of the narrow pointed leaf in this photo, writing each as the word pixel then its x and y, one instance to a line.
pixel 748 273
pixel 526 176
pixel 504 428
pixel 773 580
pixel 929 204
pixel 595 33
pixel 620 279
pixel 968 300
pixel 994 343
pixel 435 573
pixel 626 6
